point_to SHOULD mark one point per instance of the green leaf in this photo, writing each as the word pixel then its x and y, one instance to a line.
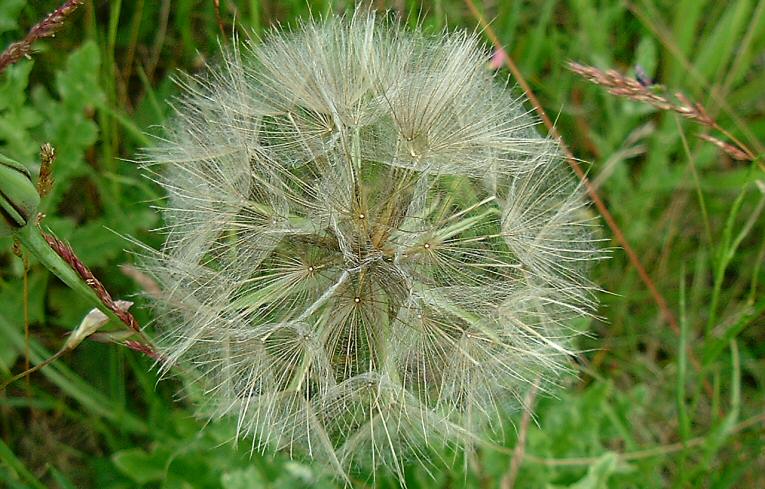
pixel 17 118
pixel 597 474
pixel 78 84
pixel 62 480
pixel 68 125
pixel 646 55
pixel 243 479
pixel 721 42
pixel 141 466
pixel 8 458
pixel 9 14
pixel 97 242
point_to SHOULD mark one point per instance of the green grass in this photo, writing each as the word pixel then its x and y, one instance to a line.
pixel 650 407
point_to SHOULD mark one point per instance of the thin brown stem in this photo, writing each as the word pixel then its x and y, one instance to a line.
pixel 219 19
pixel 67 254
pixel 508 480
pixel 45 28
pixel 664 35
pixel 159 39
pixel 30 370
pixel 656 451
pixel 665 311
pixel 620 85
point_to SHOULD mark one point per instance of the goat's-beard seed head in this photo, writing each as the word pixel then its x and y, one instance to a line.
pixel 369 248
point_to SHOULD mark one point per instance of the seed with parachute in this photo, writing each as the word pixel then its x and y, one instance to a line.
pixel 370 252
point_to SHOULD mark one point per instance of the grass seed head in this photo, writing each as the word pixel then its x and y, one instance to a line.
pixel 370 250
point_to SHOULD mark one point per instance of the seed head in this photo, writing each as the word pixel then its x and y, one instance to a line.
pixel 369 248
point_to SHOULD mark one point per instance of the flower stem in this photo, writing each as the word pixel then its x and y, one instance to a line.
pixel 30 370
pixel 30 236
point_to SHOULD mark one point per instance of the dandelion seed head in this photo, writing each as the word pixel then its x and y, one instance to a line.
pixel 369 249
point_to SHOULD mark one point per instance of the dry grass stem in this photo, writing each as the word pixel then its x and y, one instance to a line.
pixel 622 86
pixel 146 283
pixel 729 149
pixel 45 28
pixel 219 19
pixel 666 312
pixel 508 480
pixel 657 451
pixel 67 254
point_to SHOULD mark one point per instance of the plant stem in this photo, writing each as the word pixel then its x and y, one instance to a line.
pixel 30 370
pixel 31 237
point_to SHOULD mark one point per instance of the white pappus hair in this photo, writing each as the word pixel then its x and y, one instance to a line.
pixel 369 249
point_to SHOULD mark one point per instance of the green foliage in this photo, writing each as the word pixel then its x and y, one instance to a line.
pixel 675 401
pixel 17 116
pixel 66 122
pixel 9 13
pixel 187 458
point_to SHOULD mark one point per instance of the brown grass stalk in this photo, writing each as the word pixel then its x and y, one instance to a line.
pixel 620 85
pixel 665 311
pixel 67 254
pixel 519 452
pixel 45 28
pixel 664 35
